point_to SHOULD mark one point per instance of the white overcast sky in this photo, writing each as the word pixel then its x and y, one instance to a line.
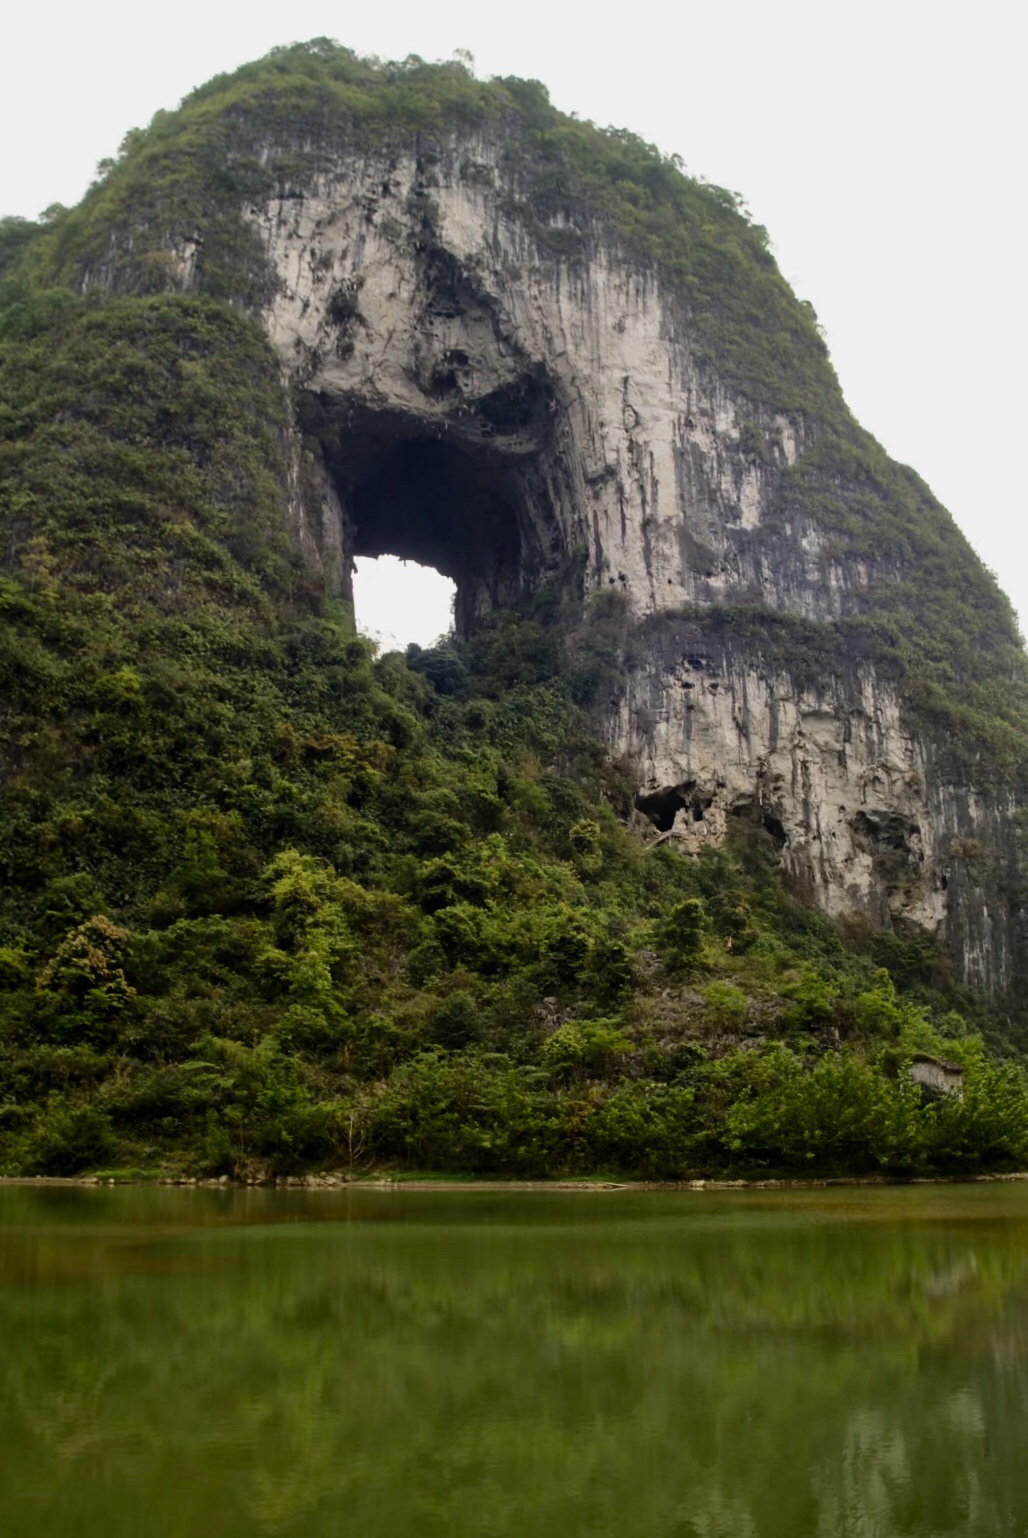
pixel 881 144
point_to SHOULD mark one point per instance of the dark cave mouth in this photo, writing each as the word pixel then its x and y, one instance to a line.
pixel 662 806
pixel 456 507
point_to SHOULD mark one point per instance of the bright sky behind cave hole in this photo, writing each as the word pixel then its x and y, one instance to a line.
pixel 396 602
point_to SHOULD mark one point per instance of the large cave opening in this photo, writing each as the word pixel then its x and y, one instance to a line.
pixel 474 499
pixel 433 503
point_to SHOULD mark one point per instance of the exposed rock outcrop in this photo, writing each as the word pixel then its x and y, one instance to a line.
pixel 560 396
pixel 865 819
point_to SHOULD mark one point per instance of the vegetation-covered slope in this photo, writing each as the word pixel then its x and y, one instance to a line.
pixel 271 903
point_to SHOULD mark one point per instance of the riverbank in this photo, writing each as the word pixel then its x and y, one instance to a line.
pixel 332 1182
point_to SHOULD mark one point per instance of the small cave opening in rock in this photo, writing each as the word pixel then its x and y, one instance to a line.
pixel 397 603
pixel 775 829
pixel 884 831
pixel 448 497
pixel 663 806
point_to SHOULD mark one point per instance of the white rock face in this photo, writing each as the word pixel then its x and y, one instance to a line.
pixel 647 467
pixel 864 823
pixel 830 777
pixel 557 401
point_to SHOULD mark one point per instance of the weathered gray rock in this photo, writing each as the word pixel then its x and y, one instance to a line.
pixel 560 399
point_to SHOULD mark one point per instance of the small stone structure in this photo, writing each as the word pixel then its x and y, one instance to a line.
pixel 934 1077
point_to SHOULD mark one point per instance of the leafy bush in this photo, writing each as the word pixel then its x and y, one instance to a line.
pixel 72 1138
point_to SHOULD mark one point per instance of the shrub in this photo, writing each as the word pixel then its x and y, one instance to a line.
pixel 584 1049
pixel 71 1139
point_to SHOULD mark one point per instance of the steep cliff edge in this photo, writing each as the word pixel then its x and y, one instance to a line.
pixel 510 340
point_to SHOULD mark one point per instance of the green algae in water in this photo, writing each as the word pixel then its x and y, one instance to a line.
pixel 703 1365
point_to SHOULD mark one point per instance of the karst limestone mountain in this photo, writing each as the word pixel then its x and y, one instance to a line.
pixel 504 360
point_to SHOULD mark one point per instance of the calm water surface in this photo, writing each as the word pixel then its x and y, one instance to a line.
pixel 522 1365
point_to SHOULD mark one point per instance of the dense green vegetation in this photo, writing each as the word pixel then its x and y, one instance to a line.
pixel 272 902
pixel 269 902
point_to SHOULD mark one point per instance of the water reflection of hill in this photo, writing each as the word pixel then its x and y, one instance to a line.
pixel 843 1364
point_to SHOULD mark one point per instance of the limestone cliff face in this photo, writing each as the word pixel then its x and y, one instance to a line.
pixel 414 301
pixel 865 817
pixel 490 395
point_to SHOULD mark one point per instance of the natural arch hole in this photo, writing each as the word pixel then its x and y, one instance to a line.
pixel 396 602
pixel 428 502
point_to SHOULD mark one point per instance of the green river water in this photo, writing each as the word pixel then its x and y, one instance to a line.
pixel 391 1364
